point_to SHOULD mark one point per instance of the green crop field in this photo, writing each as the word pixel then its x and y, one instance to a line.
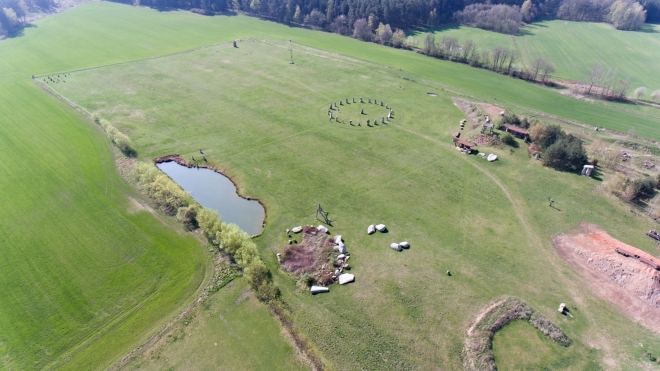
pixel 87 276
pixel 574 47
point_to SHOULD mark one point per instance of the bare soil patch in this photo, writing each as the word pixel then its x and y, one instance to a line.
pixel 627 282
pixel 312 256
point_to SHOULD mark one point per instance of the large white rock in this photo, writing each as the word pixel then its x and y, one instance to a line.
pixel 371 229
pixel 345 278
pixel 396 246
pixel 381 227
pixel 341 256
pixel 322 229
pixel 341 248
pixel 319 289
pixel 297 229
pixel 492 157
pixel 404 244
pixel 338 239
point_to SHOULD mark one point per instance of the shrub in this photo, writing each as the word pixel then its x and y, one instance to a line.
pixel 508 139
pixel 159 187
pixel 643 187
pixel 545 135
pixel 188 216
pixel 508 119
pixel 121 140
pixel 232 239
pixel 565 154
pixel 656 95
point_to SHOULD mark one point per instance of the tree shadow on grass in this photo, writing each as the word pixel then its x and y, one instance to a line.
pixel 648 28
pixel 20 31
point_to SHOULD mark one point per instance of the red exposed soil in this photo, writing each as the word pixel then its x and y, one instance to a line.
pixel 630 284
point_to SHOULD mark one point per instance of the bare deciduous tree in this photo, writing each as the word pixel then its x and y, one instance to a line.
pixel 469 47
pixel 595 74
pixel 548 68
pixel 537 66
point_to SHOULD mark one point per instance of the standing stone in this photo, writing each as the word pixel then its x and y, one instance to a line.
pixel 361 101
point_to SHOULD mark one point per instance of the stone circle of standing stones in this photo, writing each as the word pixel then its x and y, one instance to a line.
pixel 335 114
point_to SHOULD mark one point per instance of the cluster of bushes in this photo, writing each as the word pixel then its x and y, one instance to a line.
pixel 121 140
pixel 238 244
pixel 560 151
pixel 511 119
pixel 13 13
pixel 499 18
pixel 227 237
pixel 631 189
pixel 622 14
pixel 159 187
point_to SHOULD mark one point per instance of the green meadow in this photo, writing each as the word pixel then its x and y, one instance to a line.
pixel 264 121
pixel 574 47
pixel 88 275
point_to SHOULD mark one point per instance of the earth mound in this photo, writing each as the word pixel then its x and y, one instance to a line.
pixel 629 281
pixel 314 256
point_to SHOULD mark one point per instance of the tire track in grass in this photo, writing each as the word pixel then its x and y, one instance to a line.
pixel 534 239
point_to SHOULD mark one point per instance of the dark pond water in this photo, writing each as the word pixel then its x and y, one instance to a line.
pixel 215 191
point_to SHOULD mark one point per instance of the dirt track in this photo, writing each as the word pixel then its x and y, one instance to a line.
pixel 631 285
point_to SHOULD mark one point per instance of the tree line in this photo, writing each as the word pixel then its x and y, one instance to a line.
pixel 13 13
pixel 499 59
pixel 341 15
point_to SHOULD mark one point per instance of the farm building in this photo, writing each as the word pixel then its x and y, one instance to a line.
pixel 518 132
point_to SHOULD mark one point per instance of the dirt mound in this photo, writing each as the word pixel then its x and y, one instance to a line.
pixel 628 282
pixel 478 349
pixel 308 256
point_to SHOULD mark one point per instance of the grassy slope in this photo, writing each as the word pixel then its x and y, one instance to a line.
pixel 83 274
pixel 488 223
pixel 576 46
pixel 232 332
pixel 124 36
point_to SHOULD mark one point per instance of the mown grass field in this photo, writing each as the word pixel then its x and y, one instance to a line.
pixel 574 47
pixel 78 257
pixel 264 121
pixel 232 331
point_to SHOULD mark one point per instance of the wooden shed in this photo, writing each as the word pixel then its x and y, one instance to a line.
pixel 463 143
pixel 519 132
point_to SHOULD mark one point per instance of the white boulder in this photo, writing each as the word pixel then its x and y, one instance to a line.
pixel 318 289
pixel 345 278
pixel 404 244
pixel 371 229
pixel 341 248
pixel 341 256
pixel 381 227
pixel 338 239
pixel 297 229
pixel 396 246
pixel 322 229
pixel 492 157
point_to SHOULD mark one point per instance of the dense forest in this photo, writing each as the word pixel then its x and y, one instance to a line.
pixel 340 16
pixel 504 16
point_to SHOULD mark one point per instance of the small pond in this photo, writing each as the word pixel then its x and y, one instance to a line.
pixel 215 191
